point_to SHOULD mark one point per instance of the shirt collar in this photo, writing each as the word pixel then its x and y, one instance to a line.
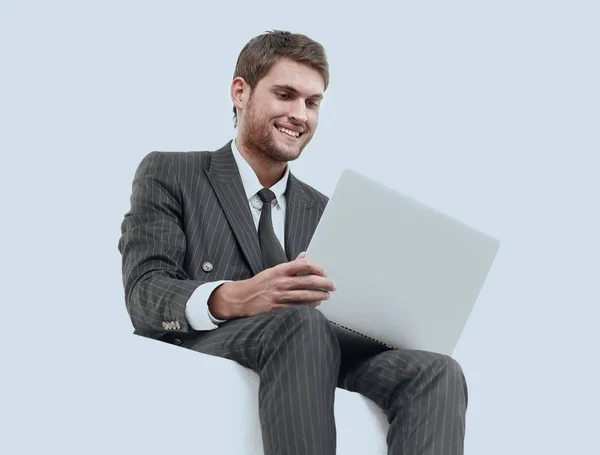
pixel 250 180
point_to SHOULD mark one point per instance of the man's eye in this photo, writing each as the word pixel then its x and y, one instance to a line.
pixel 312 104
pixel 283 95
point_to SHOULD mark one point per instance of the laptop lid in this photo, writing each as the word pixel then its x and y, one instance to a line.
pixel 406 274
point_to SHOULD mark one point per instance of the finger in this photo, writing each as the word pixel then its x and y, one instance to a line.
pixel 303 296
pixel 307 282
pixel 303 266
pixel 315 304
pixel 301 255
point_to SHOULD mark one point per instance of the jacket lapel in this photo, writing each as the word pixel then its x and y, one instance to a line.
pixel 225 179
pixel 301 218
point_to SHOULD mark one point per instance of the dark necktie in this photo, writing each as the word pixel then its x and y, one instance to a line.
pixel 272 252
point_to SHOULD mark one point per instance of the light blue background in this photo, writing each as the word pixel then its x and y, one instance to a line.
pixel 488 111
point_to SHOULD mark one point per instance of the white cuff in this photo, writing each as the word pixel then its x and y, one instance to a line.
pixel 196 310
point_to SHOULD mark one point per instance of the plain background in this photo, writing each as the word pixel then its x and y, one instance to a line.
pixel 487 111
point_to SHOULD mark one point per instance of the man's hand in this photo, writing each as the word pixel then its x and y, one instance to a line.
pixel 297 282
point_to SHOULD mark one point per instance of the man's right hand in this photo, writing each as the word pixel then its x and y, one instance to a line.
pixel 296 282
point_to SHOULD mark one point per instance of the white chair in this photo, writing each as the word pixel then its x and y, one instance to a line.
pixel 361 425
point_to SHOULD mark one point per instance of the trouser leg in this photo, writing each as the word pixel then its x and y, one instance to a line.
pixel 424 396
pixel 296 355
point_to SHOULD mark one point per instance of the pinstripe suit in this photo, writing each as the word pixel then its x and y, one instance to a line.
pixel 189 208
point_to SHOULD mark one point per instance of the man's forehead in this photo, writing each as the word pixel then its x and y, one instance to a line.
pixel 295 77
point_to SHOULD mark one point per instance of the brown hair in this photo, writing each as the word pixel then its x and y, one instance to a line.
pixel 262 52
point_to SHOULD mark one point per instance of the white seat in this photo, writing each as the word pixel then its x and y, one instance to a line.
pixel 361 425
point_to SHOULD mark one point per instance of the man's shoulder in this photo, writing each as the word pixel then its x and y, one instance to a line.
pixel 178 156
pixel 177 161
pixel 314 194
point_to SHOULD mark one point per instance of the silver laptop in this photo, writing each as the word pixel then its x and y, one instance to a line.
pixel 407 275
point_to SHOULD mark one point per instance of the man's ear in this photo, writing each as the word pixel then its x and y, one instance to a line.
pixel 239 92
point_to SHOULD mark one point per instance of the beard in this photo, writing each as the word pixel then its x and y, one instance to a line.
pixel 261 140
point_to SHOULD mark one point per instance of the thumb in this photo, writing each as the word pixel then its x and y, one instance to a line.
pixel 301 255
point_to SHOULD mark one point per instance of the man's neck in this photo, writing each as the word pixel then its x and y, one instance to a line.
pixel 267 170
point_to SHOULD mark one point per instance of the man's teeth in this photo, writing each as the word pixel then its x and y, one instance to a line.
pixel 289 132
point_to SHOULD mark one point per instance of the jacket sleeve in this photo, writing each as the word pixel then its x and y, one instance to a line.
pixel 153 247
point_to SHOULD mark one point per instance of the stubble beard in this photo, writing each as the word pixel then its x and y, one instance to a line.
pixel 260 141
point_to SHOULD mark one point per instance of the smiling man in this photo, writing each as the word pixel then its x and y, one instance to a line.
pixel 213 261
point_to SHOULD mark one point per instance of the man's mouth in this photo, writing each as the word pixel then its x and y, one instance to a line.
pixel 289 133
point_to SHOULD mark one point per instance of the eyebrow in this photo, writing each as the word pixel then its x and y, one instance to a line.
pixel 293 89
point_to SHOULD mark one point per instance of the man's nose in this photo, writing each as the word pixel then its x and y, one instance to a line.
pixel 298 112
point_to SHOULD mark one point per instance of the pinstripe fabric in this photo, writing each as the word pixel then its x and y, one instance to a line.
pixel 424 395
pixel 189 208
pixel 297 356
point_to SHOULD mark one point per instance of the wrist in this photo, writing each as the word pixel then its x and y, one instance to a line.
pixel 223 303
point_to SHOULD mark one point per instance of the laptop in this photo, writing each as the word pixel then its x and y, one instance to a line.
pixel 407 275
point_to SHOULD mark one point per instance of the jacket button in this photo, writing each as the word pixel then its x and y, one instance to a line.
pixel 207 267
pixel 176 341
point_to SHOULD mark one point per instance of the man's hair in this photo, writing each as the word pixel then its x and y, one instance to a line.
pixel 263 51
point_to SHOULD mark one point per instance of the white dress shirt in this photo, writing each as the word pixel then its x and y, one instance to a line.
pixel 196 310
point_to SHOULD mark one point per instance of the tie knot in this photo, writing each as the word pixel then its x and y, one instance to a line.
pixel 266 195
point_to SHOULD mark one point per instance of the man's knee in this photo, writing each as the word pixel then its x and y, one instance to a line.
pixel 305 323
pixel 448 365
pixel 450 375
pixel 303 315
pixel 430 370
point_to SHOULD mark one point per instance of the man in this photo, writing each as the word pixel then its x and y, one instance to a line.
pixel 213 261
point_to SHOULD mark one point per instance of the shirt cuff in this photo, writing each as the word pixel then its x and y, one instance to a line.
pixel 196 310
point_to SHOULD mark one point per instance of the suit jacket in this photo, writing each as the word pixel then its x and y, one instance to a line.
pixel 190 223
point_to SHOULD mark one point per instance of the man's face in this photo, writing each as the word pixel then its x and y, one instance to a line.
pixel 281 114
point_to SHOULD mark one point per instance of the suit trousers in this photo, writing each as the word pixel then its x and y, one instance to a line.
pixel 301 359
